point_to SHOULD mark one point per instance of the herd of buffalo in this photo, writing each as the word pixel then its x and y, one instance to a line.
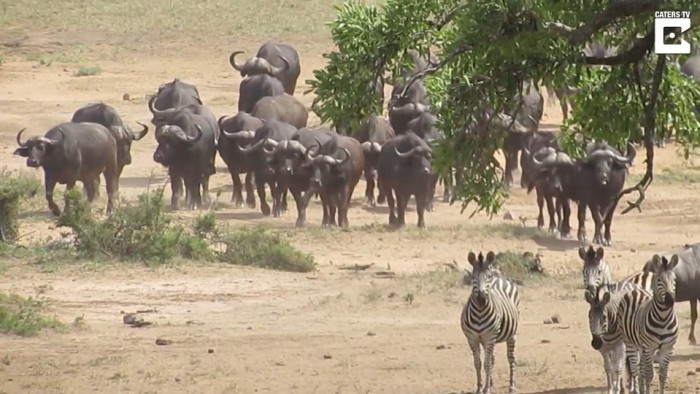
pixel 268 140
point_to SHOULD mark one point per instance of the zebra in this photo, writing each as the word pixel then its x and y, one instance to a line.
pixel 649 322
pixel 596 272
pixel 606 334
pixel 490 316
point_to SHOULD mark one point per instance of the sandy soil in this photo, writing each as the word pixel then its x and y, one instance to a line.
pixel 240 330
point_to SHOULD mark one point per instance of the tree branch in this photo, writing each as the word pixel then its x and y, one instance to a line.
pixel 649 132
pixel 617 10
pixel 435 68
pixel 450 15
pixel 640 49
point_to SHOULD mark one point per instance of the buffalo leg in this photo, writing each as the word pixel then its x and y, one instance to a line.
pixel 96 187
pixel 112 186
pixel 284 201
pixel 301 202
pixel 511 145
pixel 343 204
pixel 237 192
pixel 431 193
pixel 206 198
pixel 369 190
pixel 89 188
pixel 325 222
pixel 50 185
pixel 420 209
pixel 264 206
pixel 401 204
pixel 279 192
pixel 582 221
pixel 176 190
pixel 249 192
pixel 693 319
pixel 552 213
pixel 607 222
pixel 392 212
pixel 447 184
pixel 332 209
pixel 598 225
pixel 540 207
pixel 565 225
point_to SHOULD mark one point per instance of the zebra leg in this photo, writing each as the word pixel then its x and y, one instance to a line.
pixel 489 358
pixel 666 352
pixel 618 360
pixel 633 358
pixel 647 370
pixel 510 343
pixel 608 370
pixel 476 352
pixel 693 319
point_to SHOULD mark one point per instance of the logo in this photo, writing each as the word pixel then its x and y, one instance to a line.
pixel 671 24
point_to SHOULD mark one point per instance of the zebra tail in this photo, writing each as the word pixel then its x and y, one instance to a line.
pixel 628 368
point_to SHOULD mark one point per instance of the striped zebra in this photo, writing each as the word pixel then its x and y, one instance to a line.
pixel 648 322
pixel 606 333
pixel 490 316
pixel 596 272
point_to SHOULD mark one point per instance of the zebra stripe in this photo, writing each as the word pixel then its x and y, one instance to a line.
pixel 649 322
pixel 490 316
pixel 596 273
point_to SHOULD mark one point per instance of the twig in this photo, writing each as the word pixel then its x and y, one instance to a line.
pixel 433 69
pixel 356 267
pixel 450 15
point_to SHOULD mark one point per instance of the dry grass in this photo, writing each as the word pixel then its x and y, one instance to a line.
pixel 111 28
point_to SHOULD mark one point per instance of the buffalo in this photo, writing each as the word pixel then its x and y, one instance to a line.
pixel 424 127
pixel 400 116
pixel 187 147
pixel 237 131
pixel 594 182
pixel 404 169
pixel 283 108
pixel 175 94
pixel 691 67
pixel 546 186
pixel 71 152
pixel 265 140
pixel 277 60
pixel 107 116
pixel 292 163
pixel 255 87
pixel 373 132
pixel 336 168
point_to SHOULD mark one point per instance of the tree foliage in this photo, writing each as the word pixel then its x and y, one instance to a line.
pixel 488 49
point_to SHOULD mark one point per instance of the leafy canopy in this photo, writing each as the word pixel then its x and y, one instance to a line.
pixel 487 50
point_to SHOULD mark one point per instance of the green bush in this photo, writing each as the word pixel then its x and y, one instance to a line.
pixel 13 189
pixel 23 316
pixel 144 231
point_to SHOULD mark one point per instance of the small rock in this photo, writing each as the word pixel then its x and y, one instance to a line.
pixel 126 97
pixel 327 357
pixel 691 373
pixel 697 369
pixel 370 334
pixel 508 216
pixel 545 341
pixel 177 380
pixel 249 328
pixel 547 321
pixel 441 347
pixel 556 319
pixel 633 250
pixel 279 364
pixel 163 342
pixel 129 318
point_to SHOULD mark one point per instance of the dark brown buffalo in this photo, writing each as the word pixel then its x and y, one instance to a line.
pixel 373 132
pixel 283 108
pixel 107 116
pixel 400 116
pixel 266 139
pixel 255 87
pixel 291 161
pixel 71 152
pixel 176 94
pixel 187 147
pixel 425 127
pixel 275 59
pixel 404 170
pixel 237 131
pixel 336 168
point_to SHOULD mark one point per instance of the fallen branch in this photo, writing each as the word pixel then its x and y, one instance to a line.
pixel 356 267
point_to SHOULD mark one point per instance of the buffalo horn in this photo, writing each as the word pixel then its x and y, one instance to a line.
pixel 366 146
pixel 55 142
pixel 275 71
pixel 253 147
pixel 296 145
pixel 232 60
pixel 282 145
pixel 19 141
pixel 345 160
pixel 189 139
pixel 220 122
pixel 405 155
pixel 376 147
pixel 141 134
pixel 239 134
pixel 152 107
pixel 550 158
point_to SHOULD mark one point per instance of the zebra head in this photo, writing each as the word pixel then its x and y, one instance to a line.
pixel 483 275
pixel 595 269
pixel 664 279
pixel 597 317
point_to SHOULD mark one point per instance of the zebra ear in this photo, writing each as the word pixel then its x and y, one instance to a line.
pixel 490 258
pixel 588 295
pixel 673 263
pixel 656 262
pixel 471 257
pixel 599 253
pixel 606 298
pixel 582 253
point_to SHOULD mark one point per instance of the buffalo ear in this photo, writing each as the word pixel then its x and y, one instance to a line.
pixel 22 152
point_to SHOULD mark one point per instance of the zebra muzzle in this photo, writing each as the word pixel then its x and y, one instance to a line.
pixel 669 300
pixel 596 342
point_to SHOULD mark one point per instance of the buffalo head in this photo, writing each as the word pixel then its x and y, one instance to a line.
pixel 288 157
pixel 125 136
pixel 37 149
pixel 327 167
pixel 546 166
pixel 420 156
pixel 160 116
pixel 172 141
pixel 258 65
pixel 605 160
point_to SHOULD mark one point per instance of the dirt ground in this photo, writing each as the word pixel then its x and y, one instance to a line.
pixel 237 330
